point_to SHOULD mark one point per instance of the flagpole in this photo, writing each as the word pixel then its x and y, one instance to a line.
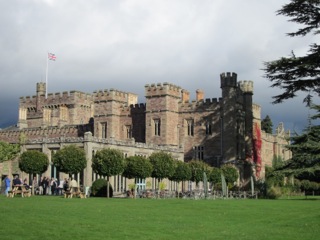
pixel 47 76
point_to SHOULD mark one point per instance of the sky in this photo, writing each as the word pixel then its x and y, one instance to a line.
pixel 126 44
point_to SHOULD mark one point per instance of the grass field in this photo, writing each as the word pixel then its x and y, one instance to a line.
pixel 47 217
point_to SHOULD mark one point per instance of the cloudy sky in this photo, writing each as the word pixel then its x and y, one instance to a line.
pixel 103 44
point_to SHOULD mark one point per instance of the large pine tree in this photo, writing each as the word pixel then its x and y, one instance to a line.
pixel 305 162
pixel 293 74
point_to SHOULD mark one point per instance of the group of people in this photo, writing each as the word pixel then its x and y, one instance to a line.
pixel 45 185
pixel 15 183
pixel 53 186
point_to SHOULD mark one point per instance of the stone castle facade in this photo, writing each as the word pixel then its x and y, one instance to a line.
pixel 217 131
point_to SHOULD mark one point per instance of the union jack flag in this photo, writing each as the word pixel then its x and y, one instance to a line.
pixel 52 56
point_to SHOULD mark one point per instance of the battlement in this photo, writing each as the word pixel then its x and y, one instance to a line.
pixel 134 107
pixel 58 97
pixel 155 90
pixel 204 104
pixel 113 94
pixel 246 86
pixel 228 79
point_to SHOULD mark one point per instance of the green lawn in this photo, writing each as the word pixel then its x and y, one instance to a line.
pixel 46 217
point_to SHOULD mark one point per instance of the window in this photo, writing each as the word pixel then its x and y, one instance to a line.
pixel 104 129
pixel 198 152
pixel 119 183
pixel 208 128
pixel 128 131
pixel 190 125
pixel 157 127
pixel 140 184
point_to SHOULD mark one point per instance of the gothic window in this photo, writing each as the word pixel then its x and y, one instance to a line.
pixel 104 130
pixel 208 128
pixel 157 127
pixel 198 152
pixel 190 125
pixel 128 131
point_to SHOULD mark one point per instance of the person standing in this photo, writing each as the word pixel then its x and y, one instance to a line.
pixel 7 182
pixel 73 185
pixel 53 185
pixel 44 184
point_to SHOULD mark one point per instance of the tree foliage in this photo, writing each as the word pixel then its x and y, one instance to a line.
pixel 163 165
pixel 305 148
pixel 70 159
pixel 108 162
pixel 198 167
pixel 33 162
pixel 182 172
pixel 230 173
pixel 137 167
pixel 305 153
pixel 8 151
pixel 293 74
pixel 277 162
pixel 267 125
pixel 215 175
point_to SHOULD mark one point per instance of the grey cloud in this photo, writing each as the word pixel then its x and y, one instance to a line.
pixel 127 44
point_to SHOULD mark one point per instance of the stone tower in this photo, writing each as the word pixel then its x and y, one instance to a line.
pixel 162 117
pixel 228 85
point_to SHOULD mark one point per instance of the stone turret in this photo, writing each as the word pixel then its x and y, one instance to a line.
pixel 228 116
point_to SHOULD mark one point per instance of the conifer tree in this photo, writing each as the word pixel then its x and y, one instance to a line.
pixel 267 125
pixel 305 161
pixel 298 73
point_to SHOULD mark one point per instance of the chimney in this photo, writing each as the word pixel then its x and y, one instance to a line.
pixel 200 95
pixel 185 96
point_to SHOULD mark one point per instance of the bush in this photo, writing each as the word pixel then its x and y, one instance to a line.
pixel 99 188
pixel 274 193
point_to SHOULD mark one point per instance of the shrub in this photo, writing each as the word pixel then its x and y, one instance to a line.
pixel 274 193
pixel 99 188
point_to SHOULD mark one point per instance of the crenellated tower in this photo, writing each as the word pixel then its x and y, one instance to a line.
pixel 162 116
pixel 107 113
pixel 228 83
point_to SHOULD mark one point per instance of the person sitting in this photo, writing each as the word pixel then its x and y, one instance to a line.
pixel 16 181
pixel 25 184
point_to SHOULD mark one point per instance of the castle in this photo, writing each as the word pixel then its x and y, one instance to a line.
pixel 217 131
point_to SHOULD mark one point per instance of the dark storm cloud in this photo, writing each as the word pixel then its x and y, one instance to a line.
pixel 127 44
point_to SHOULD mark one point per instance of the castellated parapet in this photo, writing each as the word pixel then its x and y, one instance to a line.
pixel 156 90
pixel 58 98
pixel 115 95
pixel 246 86
pixel 206 104
pixel 134 108
pixel 228 79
